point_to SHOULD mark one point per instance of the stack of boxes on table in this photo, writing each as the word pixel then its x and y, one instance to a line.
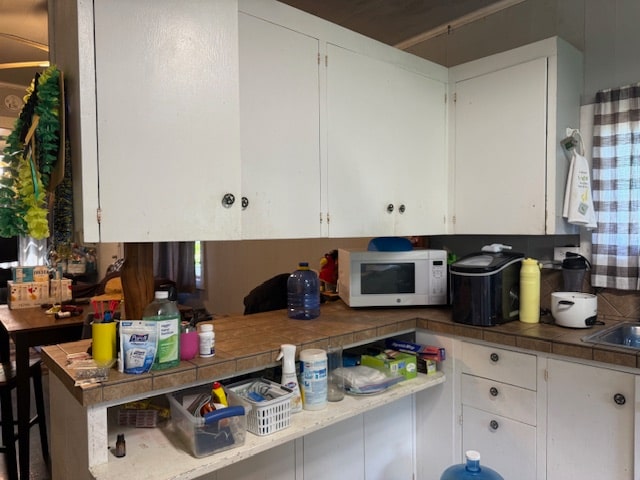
pixel 33 287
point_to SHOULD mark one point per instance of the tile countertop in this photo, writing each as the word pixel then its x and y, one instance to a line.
pixel 251 343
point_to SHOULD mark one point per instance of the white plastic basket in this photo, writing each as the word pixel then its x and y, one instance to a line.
pixel 267 416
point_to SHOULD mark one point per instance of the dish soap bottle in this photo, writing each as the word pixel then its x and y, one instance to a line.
pixel 470 470
pixel 289 377
pixel 167 317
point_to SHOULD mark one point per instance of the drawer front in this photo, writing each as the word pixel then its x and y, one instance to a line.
pixel 499 364
pixel 499 398
pixel 507 446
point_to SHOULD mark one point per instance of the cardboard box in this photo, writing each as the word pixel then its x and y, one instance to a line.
pixel 396 362
pixel 27 294
pixel 34 294
pixel 30 274
pixel 427 352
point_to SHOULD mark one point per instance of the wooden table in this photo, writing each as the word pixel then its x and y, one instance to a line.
pixel 30 327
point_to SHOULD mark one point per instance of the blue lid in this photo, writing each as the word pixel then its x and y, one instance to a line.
pixel 390 244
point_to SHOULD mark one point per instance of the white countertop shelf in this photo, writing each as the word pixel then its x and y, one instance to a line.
pixel 154 453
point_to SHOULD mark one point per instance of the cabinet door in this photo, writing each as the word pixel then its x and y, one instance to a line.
pixel 280 131
pixel 590 431
pixel 385 148
pixel 500 151
pixel 507 446
pixel 167 119
pixel 389 450
pixel 336 451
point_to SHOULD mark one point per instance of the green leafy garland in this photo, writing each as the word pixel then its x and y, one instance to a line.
pixel 25 178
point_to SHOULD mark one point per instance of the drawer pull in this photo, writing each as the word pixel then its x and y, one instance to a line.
pixel 493 391
pixel 494 425
pixel 494 357
pixel 619 399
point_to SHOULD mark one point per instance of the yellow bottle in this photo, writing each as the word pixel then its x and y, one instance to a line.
pixel 530 291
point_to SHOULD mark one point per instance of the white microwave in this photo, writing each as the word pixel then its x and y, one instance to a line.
pixel 388 279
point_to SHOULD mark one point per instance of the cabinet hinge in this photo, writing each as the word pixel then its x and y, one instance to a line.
pixel 319 58
pixel 453 219
pixel 328 218
pixel 546 375
pixel 445 98
pixel 326 60
pixel 99 215
pixel 455 97
pixel 459 419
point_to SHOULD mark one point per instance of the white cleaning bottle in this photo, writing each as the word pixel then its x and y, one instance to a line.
pixel 289 377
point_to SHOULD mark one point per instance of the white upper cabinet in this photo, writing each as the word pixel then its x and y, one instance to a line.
pixel 341 135
pixel 386 147
pixel 168 149
pixel 509 113
pixel 279 130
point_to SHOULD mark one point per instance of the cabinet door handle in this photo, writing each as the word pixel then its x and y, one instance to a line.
pixel 494 425
pixel 493 391
pixel 402 208
pixel 619 399
pixel 390 208
pixel 494 357
pixel 244 202
pixel 228 200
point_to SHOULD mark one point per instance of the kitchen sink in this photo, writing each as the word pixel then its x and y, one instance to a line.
pixel 626 334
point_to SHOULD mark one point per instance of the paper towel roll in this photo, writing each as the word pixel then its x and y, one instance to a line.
pixel 103 342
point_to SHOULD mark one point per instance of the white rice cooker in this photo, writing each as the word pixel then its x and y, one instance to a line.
pixel 574 309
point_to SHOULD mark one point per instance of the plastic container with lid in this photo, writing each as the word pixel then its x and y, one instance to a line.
pixel 303 293
pixel 313 371
pixel 167 317
pixel 530 291
pixel 470 470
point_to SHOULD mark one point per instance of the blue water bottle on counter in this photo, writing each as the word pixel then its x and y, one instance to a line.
pixel 470 470
pixel 303 293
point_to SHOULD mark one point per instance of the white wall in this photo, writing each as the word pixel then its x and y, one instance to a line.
pixel 606 31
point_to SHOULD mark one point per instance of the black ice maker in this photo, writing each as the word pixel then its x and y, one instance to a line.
pixel 485 288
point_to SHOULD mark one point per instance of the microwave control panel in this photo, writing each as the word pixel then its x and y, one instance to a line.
pixel 438 281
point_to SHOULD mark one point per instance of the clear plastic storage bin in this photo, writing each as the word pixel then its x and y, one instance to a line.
pixel 270 401
pixel 215 432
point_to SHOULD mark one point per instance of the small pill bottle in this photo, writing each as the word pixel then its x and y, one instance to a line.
pixel 207 339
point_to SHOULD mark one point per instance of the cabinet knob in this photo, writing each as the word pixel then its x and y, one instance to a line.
pixel 494 357
pixel 245 202
pixel 390 208
pixel 494 425
pixel 228 200
pixel 493 391
pixel 402 208
pixel 619 399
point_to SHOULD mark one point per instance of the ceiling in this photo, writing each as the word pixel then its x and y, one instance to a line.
pixel 23 24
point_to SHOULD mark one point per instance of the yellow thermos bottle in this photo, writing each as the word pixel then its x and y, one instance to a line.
pixel 530 291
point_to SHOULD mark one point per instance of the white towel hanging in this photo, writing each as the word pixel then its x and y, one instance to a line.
pixel 578 199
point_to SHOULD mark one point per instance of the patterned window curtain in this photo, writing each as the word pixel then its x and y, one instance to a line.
pixel 175 261
pixel 616 188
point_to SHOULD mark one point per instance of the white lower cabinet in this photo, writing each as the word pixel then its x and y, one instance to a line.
pixel 506 445
pixel 377 445
pixel 499 409
pixel 590 423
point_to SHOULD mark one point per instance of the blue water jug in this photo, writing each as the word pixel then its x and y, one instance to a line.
pixel 470 470
pixel 303 293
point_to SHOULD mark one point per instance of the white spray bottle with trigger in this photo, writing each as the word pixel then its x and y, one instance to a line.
pixel 289 377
